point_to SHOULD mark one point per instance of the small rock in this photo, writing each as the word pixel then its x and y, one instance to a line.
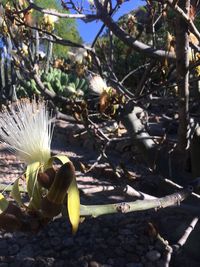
pixel 40 262
pixel 50 261
pixel 59 263
pixel 119 262
pixel 22 241
pixel 8 235
pixel 3 244
pixel 55 241
pixel 153 255
pixel 68 242
pixel 14 249
pixel 16 264
pixel 94 264
pixel 119 251
pixel 29 262
pixel 134 264
pixel 26 251
pixel 125 232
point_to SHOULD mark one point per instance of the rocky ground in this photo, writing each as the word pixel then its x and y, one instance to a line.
pixel 120 240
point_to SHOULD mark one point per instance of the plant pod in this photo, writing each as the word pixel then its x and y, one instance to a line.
pixel 51 205
pixel 46 178
pixel 49 208
pixel 14 210
pixel 61 183
pixel 9 223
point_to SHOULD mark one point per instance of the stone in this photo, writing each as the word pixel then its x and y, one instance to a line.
pixel 60 263
pixel 14 249
pixel 50 261
pixel 119 251
pixel 3 244
pixel 134 264
pixel 29 262
pixel 68 242
pixel 26 251
pixel 8 235
pixel 55 241
pixel 94 264
pixel 153 255
pixel 119 262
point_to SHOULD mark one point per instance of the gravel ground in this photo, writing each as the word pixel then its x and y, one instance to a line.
pixel 108 241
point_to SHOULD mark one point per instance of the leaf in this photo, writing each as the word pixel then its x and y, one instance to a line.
pixel 33 187
pixel 15 192
pixel 73 205
pixel 3 203
pixel 62 158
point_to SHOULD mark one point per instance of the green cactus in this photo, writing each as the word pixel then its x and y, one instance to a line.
pixel 68 85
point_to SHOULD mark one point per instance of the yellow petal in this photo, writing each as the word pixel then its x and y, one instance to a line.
pixel 3 203
pixel 33 187
pixel 15 193
pixel 62 158
pixel 73 205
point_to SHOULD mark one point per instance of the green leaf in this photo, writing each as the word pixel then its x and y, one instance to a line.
pixel 33 188
pixel 3 203
pixel 73 205
pixel 62 158
pixel 15 192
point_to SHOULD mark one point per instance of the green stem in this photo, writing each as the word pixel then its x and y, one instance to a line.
pixel 8 188
pixel 138 205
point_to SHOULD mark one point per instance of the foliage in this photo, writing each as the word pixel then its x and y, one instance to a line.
pixel 66 28
pixel 56 81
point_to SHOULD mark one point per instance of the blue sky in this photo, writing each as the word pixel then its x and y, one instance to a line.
pixel 89 30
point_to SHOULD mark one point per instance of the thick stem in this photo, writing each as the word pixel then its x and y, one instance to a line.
pixel 138 205
pixel 182 67
pixel 49 54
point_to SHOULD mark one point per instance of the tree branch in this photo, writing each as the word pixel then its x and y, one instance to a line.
pixel 138 205
pixel 127 39
pixel 185 17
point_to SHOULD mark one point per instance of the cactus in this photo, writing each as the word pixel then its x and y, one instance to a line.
pixel 55 80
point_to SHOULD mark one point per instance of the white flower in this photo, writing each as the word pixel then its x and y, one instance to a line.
pixel 79 56
pixel 97 84
pixel 50 19
pixel 27 130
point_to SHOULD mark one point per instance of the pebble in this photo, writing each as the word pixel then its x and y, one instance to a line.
pixel 68 242
pixel 14 249
pixel 153 255
pixel 94 264
pixel 134 264
pixel 3 244
pixel 26 251
pixel 29 262
pixel 8 235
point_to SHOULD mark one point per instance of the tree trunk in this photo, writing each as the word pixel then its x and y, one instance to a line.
pixel 182 65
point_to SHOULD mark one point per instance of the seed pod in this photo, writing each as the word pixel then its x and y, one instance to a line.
pixel 9 222
pixel 13 209
pixel 51 205
pixel 49 208
pixel 46 178
pixel 63 179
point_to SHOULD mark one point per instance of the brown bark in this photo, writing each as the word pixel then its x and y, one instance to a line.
pixel 182 67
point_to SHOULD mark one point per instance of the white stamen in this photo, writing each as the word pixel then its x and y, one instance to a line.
pixel 27 130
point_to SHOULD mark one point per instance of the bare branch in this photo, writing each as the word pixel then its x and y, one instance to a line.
pixel 127 39
pixel 86 17
pixel 138 205
pixel 185 17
